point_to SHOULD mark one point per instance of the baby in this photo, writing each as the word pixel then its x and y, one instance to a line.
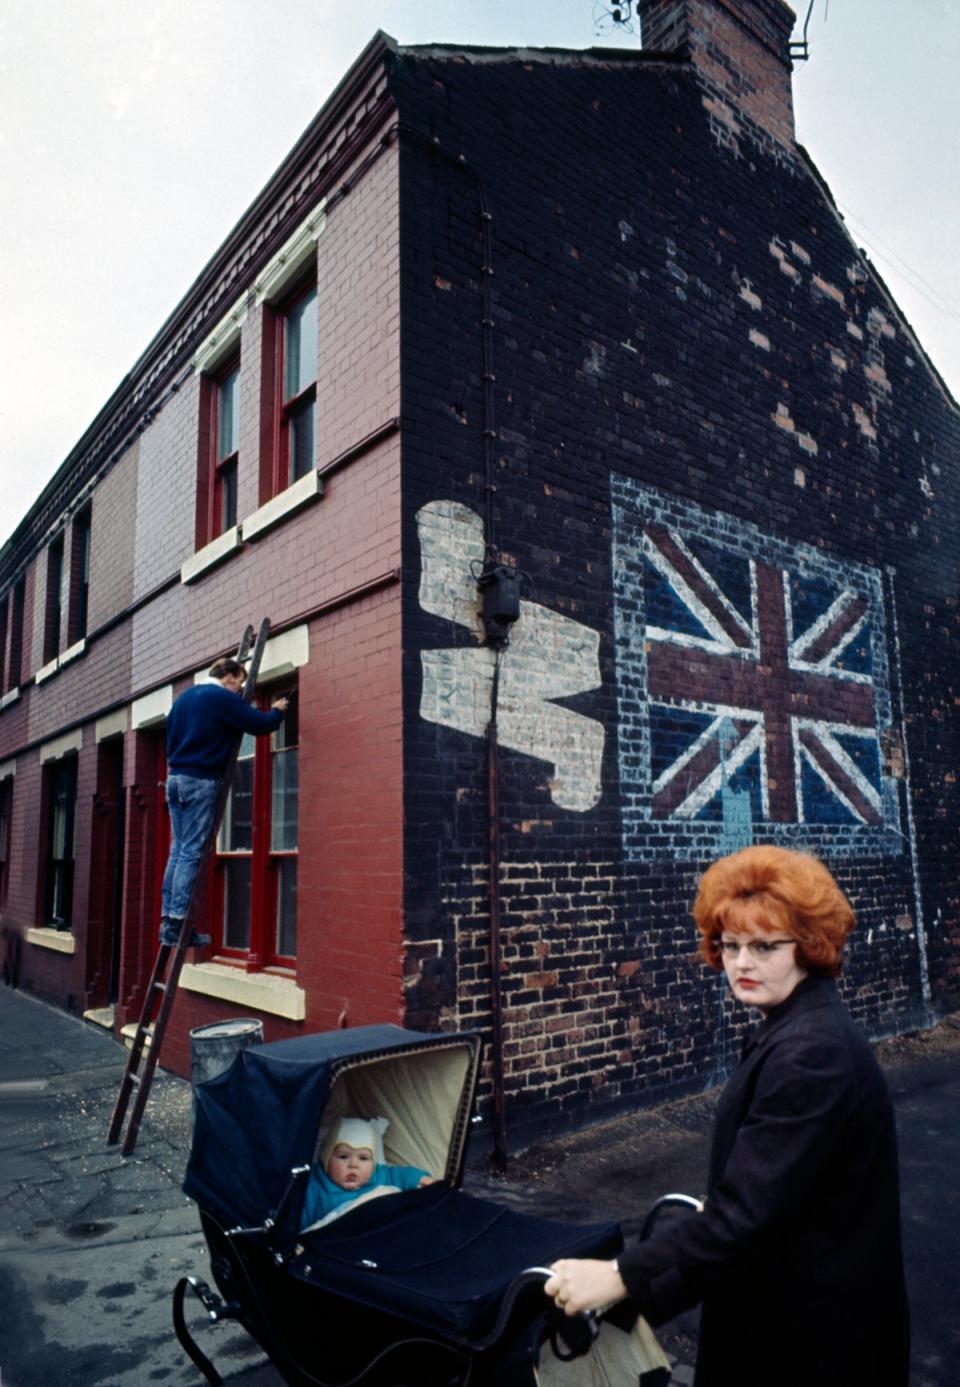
pixel 351 1165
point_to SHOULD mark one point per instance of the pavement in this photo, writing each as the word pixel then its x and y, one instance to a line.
pixel 92 1243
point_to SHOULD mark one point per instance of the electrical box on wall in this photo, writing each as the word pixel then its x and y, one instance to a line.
pixel 500 590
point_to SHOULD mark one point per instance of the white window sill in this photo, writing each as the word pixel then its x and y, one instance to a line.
pixel 301 493
pixel 59 661
pixel 76 649
pixel 61 941
pixel 9 698
pixel 260 991
pixel 210 555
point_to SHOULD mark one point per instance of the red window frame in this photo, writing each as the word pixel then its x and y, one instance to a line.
pixel 218 465
pixel 266 872
pixel 79 576
pixel 5 603
pixel 290 445
pixel 58 827
pixel 53 612
pixel 18 602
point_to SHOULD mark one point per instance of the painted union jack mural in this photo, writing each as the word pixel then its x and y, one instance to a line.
pixel 753 686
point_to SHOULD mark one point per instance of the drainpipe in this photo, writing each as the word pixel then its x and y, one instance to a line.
pixel 499 1154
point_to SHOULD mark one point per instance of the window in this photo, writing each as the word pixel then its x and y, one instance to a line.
pixel 15 658
pixel 79 576
pixel 219 452
pixel 6 807
pixel 60 796
pixel 225 458
pixel 4 625
pixel 255 890
pixel 52 618
pixel 295 387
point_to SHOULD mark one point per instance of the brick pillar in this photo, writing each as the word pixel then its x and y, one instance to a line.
pixel 741 46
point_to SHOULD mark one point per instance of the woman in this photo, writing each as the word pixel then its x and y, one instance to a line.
pixel 796 1254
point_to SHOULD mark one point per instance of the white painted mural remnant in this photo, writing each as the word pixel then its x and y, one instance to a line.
pixel 550 656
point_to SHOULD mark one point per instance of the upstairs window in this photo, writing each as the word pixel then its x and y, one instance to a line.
pixel 218 456
pixel 295 366
pixel 53 613
pixel 255 877
pixel 60 798
pixel 222 444
pixel 79 576
pixel 4 632
pixel 15 649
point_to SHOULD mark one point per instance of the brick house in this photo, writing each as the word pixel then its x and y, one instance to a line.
pixel 587 327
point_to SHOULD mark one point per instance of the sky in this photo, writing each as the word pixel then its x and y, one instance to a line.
pixel 135 133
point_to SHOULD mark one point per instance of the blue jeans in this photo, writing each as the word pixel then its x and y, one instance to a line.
pixel 192 803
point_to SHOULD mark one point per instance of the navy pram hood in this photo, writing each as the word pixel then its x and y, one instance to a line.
pixel 261 1118
pixel 433 1260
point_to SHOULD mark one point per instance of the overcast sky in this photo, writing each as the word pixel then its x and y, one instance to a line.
pixel 135 133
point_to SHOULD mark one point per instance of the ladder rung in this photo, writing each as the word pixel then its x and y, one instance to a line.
pixel 133 1077
pixel 159 987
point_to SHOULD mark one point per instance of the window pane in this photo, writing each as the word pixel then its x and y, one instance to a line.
pixel 286 942
pixel 236 830
pixel 228 496
pixel 59 859
pixel 302 448
pixel 300 346
pixel 283 827
pixel 236 903
pixel 61 903
pixel 51 642
pixel 228 415
pixel 58 846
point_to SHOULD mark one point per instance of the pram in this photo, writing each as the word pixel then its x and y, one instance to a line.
pixel 431 1287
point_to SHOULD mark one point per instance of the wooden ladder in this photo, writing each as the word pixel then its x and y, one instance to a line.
pixel 162 987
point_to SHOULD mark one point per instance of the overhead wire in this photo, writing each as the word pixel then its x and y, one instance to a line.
pixel 902 266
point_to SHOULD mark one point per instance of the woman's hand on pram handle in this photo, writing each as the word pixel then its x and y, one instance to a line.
pixel 582 1284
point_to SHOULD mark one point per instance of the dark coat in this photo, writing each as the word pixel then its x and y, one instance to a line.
pixel 796 1256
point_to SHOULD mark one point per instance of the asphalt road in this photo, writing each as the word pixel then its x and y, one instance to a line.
pixel 92 1243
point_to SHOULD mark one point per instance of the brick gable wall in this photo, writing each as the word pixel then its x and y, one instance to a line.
pixel 685 336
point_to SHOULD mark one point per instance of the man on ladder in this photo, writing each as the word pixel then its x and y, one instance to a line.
pixel 202 731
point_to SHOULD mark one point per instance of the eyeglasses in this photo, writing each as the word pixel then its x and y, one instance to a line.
pixel 759 949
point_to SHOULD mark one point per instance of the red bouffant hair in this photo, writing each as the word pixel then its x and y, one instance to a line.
pixel 777 891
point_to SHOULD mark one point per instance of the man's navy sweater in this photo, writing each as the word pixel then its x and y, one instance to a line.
pixel 203 728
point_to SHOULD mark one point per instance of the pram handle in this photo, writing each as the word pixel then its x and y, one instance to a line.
pixel 669 1201
pixel 546 1273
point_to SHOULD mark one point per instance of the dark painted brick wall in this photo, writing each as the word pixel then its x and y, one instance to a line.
pixel 679 309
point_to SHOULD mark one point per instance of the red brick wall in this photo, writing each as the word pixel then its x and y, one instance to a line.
pixel 331 566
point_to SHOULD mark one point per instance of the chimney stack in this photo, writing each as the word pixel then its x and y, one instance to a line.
pixel 741 46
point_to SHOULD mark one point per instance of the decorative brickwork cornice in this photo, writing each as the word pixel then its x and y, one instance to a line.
pixel 355 111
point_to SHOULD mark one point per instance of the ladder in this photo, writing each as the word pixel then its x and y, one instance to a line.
pixel 162 987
